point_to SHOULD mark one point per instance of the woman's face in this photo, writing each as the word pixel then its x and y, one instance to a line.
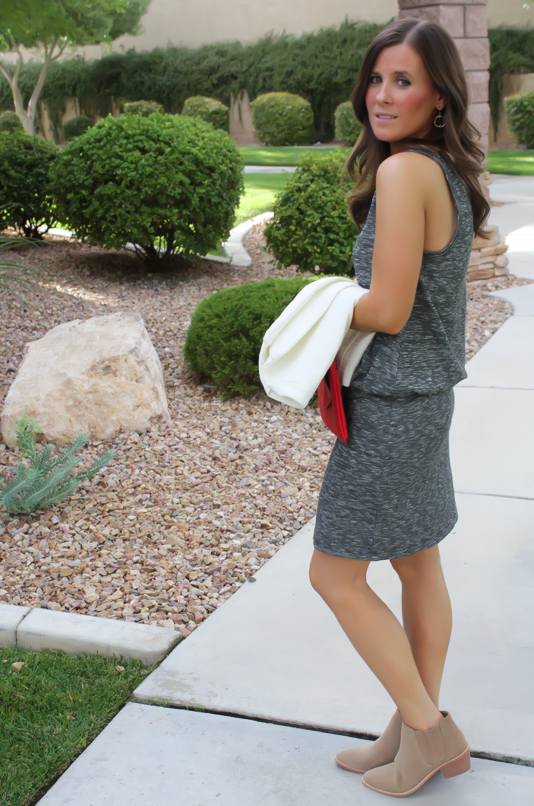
pixel 401 99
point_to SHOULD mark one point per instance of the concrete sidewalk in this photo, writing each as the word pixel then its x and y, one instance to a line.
pixel 283 684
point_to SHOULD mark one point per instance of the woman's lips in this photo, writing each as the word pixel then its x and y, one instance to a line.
pixel 383 116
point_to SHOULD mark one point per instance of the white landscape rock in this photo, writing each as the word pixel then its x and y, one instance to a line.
pixel 92 376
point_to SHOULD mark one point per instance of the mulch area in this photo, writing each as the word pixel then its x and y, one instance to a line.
pixel 188 510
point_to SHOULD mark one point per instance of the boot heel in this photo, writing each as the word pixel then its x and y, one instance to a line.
pixel 458 765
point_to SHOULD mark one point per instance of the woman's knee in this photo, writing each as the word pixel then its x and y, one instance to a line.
pixel 334 577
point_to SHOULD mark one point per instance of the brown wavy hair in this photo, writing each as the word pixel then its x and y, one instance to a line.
pixel 455 142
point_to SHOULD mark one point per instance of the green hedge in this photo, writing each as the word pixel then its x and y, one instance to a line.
pixel 520 116
pixel 282 119
pixel 347 127
pixel 311 225
pixel 143 108
pixel 209 109
pixel 74 127
pixel 226 332
pixel 10 122
pixel 157 181
pixel 26 163
pixel 321 67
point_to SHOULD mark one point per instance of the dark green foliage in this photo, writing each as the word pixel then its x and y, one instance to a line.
pixel 208 109
pixel 347 127
pixel 25 167
pixel 9 122
pixel 511 51
pixel 282 119
pixel 321 67
pixel 47 479
pixel 158 180
pixel 51 709
pixel 74 127
pixel 520 115
pixel 226 332
pixel 311 225
pixel 143 108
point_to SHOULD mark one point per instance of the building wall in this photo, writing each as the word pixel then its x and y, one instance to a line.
pixel 197 22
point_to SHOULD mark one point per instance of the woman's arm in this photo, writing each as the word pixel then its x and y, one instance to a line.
pixel 401 187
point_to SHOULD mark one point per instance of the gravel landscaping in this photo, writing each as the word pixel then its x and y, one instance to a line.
pixel 186 511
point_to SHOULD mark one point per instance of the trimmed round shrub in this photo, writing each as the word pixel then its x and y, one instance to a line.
pixel 165 183
pixel 520 116
pixel 143 108
pixel 282 119
pixel 76 126
pixel 208 109
pixel 26 202
pixel 347 126
pixel 10 122
pixel 226 332
pixel 312 225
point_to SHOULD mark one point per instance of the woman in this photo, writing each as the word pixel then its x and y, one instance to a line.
pixel 387 492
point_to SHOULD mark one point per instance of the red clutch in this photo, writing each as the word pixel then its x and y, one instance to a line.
pixel 331 403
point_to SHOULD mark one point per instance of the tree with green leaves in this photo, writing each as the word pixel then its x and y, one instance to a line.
pixel 51 26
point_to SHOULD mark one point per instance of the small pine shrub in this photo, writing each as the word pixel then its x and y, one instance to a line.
pixel 520 116
pixel 282 119
pixel 347 126
pixel 162 182
pixel 226 332
pixel 47 479
pixel 311 225
pixel 26 201
pixel 143 108
pixel 10 122
pixel 208 109
pixel 74 127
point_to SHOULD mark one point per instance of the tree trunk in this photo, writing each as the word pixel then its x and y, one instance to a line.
pixel 27 116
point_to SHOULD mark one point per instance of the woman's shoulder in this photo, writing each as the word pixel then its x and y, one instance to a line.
pixel 409 165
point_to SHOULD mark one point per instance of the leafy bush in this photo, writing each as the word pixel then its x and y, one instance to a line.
pixel 226 332
pixel 282 119
pixel 311 224
pixel 47 480
pixel 26 163
pixel 10 122
pixel 161 181
pixel 143 108
pixel 208 109
pixel 348 127
pixel 520 116
pixel 76 126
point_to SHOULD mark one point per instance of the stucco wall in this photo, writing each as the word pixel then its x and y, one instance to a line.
pixel 196 22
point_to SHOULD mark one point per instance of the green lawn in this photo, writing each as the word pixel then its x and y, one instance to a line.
pixel 283 155
pixel 515 163
pixel 51 710
pixel 260 192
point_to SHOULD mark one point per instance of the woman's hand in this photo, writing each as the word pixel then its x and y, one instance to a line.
pixel 402 184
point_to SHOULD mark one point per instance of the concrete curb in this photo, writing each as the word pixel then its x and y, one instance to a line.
pixel 237 254
pixel 39 628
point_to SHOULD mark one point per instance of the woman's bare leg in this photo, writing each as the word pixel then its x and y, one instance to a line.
pixel 375 633
pixel 426 614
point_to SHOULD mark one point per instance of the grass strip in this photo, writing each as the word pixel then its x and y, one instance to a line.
pixel 50 710
pixel 283 155
pixel 514 163
pixel 259 196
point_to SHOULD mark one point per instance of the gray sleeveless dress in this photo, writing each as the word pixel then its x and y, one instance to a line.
pixel 388 492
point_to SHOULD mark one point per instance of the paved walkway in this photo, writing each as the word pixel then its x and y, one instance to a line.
pixel 285 688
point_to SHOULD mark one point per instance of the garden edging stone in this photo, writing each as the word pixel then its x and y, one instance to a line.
pixel 39 628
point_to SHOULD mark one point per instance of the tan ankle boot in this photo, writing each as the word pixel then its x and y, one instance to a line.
pixel 421 754
pixel 364 757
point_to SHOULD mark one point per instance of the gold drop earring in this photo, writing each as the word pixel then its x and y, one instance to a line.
pixel 439 115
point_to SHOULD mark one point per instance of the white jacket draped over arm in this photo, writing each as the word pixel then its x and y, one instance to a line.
pixel 311 331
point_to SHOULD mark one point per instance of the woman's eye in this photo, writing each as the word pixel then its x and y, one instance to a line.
pixel 406 80
pixel 372 79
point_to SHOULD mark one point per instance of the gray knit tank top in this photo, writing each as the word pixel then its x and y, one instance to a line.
pixel 428 354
